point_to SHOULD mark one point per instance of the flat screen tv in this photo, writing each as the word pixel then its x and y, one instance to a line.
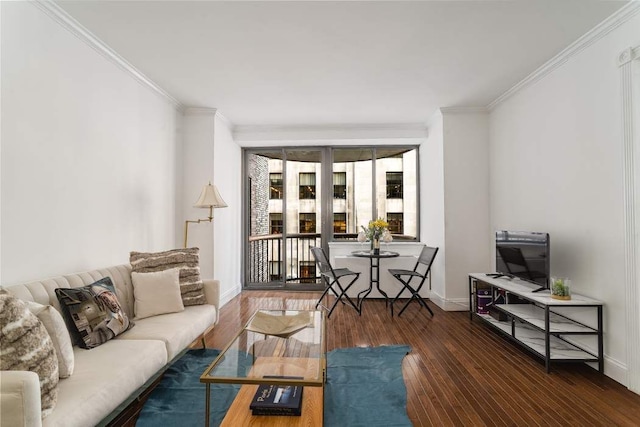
pixel 525 255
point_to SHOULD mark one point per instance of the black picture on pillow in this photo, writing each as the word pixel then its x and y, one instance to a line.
pixel 93 312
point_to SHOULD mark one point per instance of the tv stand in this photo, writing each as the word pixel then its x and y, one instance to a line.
pixel 498 275
pixel 538 322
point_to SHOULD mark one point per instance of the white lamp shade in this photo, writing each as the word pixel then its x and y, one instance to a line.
pixel 210 198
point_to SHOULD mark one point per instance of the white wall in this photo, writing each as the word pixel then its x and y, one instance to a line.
pixel 466 202
pixel 432 202
pixel 197 171
pixel 454 187
pixel 88 154
pixel 227 173
pixel 556 166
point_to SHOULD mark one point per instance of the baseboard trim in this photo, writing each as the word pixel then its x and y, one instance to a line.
pixel 229 294
pixel 451 304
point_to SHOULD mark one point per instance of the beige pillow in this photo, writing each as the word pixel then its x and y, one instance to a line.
pixel 55 326
pixel 187 260
pixel 156 293
pixel 26 346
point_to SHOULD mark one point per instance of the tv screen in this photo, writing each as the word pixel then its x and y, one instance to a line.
pixel 524 254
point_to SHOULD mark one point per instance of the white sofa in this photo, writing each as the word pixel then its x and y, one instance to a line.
pixel 106 376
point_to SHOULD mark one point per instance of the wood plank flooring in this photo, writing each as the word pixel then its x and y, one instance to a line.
pixel 459 373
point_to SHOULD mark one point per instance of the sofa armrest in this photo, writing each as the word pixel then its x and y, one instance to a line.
pixel 20 399
pixel 212 294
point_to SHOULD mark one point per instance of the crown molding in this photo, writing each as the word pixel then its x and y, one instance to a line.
pixel 464 110
pixel 199 111
pixel 69 23
pixel 205 111
pixel 628 55
pixel 605 27
pixel 320 133
pixel 226 121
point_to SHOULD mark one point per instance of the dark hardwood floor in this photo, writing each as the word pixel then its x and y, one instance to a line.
pixel 459 373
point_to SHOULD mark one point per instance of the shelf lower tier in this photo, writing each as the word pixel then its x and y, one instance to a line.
pixel 534 339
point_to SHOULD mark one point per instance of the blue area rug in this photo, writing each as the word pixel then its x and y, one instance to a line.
pixel 364 388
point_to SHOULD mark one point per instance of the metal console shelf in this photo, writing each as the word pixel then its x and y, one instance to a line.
pixel 533 323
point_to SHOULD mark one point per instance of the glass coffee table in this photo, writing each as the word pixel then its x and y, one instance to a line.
pixel 281 347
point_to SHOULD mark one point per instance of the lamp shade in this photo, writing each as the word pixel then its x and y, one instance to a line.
pixel 210 198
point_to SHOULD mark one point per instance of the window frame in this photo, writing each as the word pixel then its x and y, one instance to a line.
pixel 343 190
pixel 274 189
pixel 315 222
pixel 307 190
pixel 394 183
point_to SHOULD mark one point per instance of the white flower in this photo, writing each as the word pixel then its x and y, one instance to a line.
pixel 362 237
pixel 386 236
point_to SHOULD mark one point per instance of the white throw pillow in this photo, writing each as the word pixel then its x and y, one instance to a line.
pixel 55 326
pixel 156 293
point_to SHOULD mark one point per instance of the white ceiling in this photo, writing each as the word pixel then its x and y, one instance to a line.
pixel 320 63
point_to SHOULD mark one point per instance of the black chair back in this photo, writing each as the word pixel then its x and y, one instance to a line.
pixel 322 261
pixel 426 257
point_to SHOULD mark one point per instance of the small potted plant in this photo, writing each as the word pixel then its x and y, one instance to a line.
pixel 560 288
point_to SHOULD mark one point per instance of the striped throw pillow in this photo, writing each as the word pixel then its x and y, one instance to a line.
pixel 26 346
pixel 186 260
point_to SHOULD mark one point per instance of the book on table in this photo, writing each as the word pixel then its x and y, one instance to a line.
pixel 272 399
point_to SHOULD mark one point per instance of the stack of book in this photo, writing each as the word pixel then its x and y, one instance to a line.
pixel 277 400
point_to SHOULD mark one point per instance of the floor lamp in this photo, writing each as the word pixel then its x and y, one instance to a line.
pixel 209 198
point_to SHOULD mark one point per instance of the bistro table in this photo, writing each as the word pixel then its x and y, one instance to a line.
pixel 374 272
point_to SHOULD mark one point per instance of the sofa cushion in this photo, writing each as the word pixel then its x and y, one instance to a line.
pixel 176 330
pixel 93 313
pixel 156 293
pixel 105 377
pixel 187 260
pixel 54 324
pixel 25 345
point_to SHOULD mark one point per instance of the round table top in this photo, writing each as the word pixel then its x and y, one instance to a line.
pixel 370 254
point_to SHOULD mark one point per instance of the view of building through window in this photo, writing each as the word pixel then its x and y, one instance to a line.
pixel 285 218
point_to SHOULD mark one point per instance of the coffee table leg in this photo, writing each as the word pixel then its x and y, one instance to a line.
pixel 206 405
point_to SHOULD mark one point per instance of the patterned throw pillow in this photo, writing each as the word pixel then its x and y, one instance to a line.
pixel 26 346
pixel 59 334
pixel 187 260
pixel 93 313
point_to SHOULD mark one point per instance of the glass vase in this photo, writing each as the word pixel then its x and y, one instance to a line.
pixel 376 246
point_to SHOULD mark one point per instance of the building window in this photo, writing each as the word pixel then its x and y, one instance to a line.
pixel 339 185
pixel 395 221
pixel 307 185
pixel 394 185
pixel 275 223
pixel 339 222
pixel 307 271
pixel 275 270
pixel 275 185
pixel 307 223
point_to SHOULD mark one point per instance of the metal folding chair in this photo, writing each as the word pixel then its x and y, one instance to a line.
pixel 331 277
pixel 427 256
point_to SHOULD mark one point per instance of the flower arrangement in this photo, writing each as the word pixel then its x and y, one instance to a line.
pixel 376 230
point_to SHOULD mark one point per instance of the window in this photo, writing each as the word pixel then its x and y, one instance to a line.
pixel 307 223
pixel 340 222
pixel 275 223
pixel 298 197
pixel 394 185
pixel 275 185
pixel 339 185
pixel 275 268
pixel 307 185
pixel 307 271
pixel 395 221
